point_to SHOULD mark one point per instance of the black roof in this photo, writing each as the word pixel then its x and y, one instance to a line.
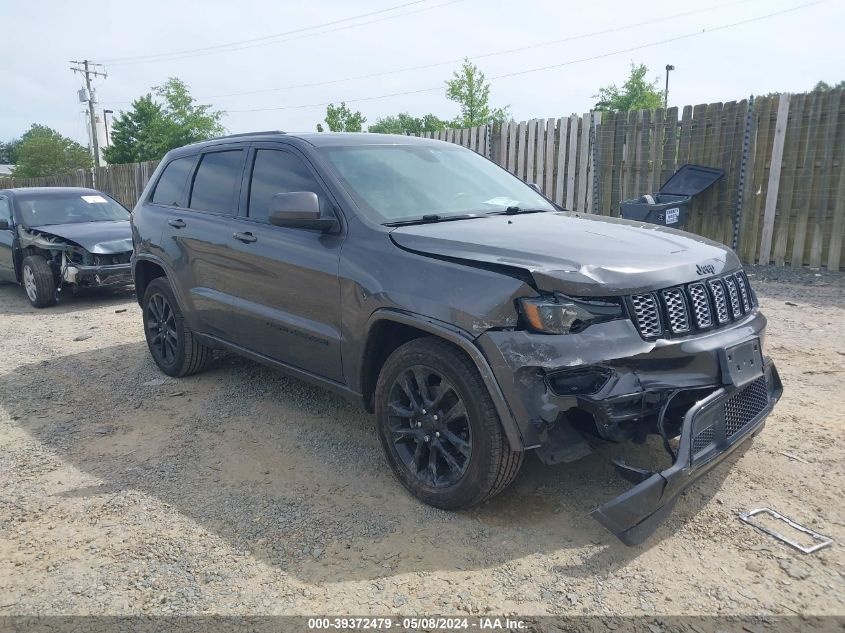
pixel 316 139
pixel 49 192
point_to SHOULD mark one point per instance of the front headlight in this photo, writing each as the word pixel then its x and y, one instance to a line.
pixel 559 314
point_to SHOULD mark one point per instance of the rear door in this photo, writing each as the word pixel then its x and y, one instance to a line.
pixel 287 293
pixel 201 235
pixel 7 242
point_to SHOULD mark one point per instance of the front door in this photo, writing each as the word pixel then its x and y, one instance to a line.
pixel 7 240
pixel 286 292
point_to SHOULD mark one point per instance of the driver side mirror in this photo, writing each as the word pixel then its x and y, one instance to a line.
pixel 4 224
pixel 299 210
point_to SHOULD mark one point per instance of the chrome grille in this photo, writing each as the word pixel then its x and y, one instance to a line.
pixel 700 305
pixel 676 310
pixel 744 406
pixel 744 294
pixel 719 300
pixel 733 295
pixel 646 315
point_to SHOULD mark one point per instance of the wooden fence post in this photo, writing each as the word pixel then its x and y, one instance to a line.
pixel 774 180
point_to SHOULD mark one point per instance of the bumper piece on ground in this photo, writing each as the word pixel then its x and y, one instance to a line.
pixel 711 430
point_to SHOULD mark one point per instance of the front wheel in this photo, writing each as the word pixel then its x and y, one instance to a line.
pixel 38 281
pixel 172 343
pixel 439 428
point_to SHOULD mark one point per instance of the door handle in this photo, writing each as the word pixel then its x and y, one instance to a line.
pixel 246 238
pixel 177 223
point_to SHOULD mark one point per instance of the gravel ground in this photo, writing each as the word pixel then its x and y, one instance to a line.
pixel 240 491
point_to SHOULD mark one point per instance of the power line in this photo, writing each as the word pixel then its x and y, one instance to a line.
pixel 263 41
pixel 551 66
pixel 479 56
pixel 570 38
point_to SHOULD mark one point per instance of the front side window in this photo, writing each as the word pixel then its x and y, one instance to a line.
pixel 5 210
pixel 45 209
pixel 216 182
pixel 273 172
pixel 394 183
pixel 171 184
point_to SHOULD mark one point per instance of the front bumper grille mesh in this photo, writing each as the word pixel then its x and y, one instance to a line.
pixel 698 306
pixel 745 405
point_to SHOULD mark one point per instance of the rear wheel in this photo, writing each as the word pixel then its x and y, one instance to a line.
pixel 439 428
pixel 171 341
pixel 38 281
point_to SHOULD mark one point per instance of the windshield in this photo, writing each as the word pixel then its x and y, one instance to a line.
pixel 69 209
pixel 394 183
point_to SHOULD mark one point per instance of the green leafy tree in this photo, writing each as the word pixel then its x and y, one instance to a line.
pixel 138 135
pixel 159 121
pixel 9 152
pixel 42 151
pixel 404 123
pixel 823 86
pixel 635 94
pixel 341 119
pixel 470 90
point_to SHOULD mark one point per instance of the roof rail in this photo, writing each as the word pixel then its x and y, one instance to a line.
pixel 217 138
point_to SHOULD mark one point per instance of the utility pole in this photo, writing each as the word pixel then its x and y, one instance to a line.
pixel 89 69
pixel 666 92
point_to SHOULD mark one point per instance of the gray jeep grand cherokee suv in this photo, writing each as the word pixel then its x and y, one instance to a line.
pixel 473 316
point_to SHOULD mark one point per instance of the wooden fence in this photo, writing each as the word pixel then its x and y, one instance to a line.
pixel 784 164
pixel 792 206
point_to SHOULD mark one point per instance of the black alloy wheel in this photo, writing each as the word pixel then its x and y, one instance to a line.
pixel 163 335
pixel 429 425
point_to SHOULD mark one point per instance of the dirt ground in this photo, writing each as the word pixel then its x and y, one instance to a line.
pixel 240 491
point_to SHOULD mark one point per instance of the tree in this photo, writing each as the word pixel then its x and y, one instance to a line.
pixel 342 119
pixel 823 86
pixel 159 121
pixel 42 151
pixel 9 152
pixel 470 90
pixel 404 123
pixel 138 135
pixel 635 94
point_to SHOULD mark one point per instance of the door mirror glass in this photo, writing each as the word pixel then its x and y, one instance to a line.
pixel 298 209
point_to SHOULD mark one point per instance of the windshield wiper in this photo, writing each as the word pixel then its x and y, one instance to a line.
pixel 517 210
pixel 433 218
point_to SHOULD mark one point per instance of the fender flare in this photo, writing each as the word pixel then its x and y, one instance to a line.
pixel 464 341
pixel 168 273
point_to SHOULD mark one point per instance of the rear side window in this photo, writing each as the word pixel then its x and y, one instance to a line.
pixel 275 172
pixel 216 182
pixel 170 185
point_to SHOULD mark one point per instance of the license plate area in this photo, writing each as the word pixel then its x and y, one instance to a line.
pixel 742 363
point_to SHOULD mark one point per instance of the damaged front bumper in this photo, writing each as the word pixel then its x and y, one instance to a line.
pixel 98 276
pixel 712 429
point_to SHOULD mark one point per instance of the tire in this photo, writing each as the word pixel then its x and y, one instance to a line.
pixel 38 281
pixel 171 342
pixel 475 442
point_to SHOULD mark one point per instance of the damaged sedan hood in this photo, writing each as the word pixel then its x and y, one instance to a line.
pixel 98 238
pixel 584 255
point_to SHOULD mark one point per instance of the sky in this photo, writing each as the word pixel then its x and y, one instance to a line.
pixel 262 45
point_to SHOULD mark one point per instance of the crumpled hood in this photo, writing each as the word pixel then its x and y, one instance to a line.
pixel 582 255
pixel 98 238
